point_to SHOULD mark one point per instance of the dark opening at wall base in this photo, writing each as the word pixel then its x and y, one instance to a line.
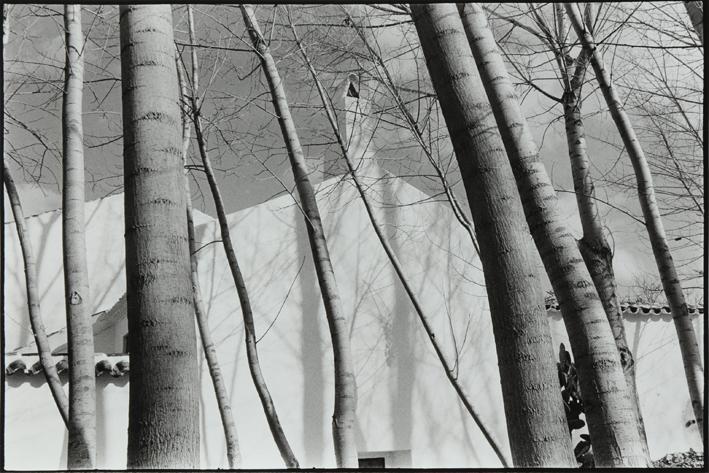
pixel 377 462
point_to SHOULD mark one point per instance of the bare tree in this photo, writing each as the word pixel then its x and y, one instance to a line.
pixel 163 426
pixel 40 335
pixel 535 418
pixel 450 371
pixel 210 353
pixel 614 432
pixel 80 337
pixel 343 419
pixel 413 126
pixel 269 407
pixel 673 290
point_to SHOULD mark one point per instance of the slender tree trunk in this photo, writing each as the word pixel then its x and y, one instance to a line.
pixel 81 452
pixel 451 372
pixel 259 381
pixel 691 357
pixel 344 417
pixel 163 425
pixel 40 335
pixel 608 404
pixel 695 10
pixel 594 247
pixel 210 353
pixel 536 423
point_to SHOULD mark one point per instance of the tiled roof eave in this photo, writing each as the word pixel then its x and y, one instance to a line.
pixel 634 310
pixel 115 366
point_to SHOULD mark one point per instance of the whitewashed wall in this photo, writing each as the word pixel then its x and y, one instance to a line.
pixel 404 399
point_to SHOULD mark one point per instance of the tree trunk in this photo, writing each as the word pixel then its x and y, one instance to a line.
pixel 81 451
pixel 344 417
pixel 608 405
pixel 163 425
pixel 536 423
pixel 35 314
pixel 210 353
pixel 594 247
pixel 40 335
pixel 695 10
pixel 259 381
pixel 691 357
pixel 451 372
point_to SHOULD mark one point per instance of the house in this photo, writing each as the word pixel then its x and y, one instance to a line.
pixel 407 415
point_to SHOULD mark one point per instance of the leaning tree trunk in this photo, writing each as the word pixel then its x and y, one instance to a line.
pixel 40 335
pixel 344 417
pixel 163 416
pixel 259 381
pixel 695 10
pixel 451 372
pixel 536 424
pixel 691 356
pixel 594 247
pixel 81 451
pixel 608 405
pixel 210 352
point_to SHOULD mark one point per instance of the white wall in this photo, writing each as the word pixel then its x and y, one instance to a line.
pixel 404 399
pixel 106 268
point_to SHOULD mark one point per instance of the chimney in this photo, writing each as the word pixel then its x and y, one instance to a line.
pixel 350 103
pixel 352 106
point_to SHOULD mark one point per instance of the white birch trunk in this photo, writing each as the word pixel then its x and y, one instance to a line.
pixel 81 451
pixel 259 380
pixel 451 373
pixel 691 357
pixel 536 423
pixel 608 405
pixel 163 413
pixel 344 417
pixel 40 334
pixel 210 352
pixel 594 247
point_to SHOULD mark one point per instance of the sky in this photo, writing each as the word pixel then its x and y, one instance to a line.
pixel 244 140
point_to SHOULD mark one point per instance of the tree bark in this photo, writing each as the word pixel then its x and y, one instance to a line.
pixel 40 335
pixel 344 417
pixel 536 423
pixel 691 356
pixel 608 405
pixel 210 353
pixel 163 426
pixel 81 451
pixel 451 373
pixel 594 247
pixel 695 10
pixel 259 381
pixel 33 307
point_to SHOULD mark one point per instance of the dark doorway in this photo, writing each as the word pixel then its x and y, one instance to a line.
pixel 377 462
